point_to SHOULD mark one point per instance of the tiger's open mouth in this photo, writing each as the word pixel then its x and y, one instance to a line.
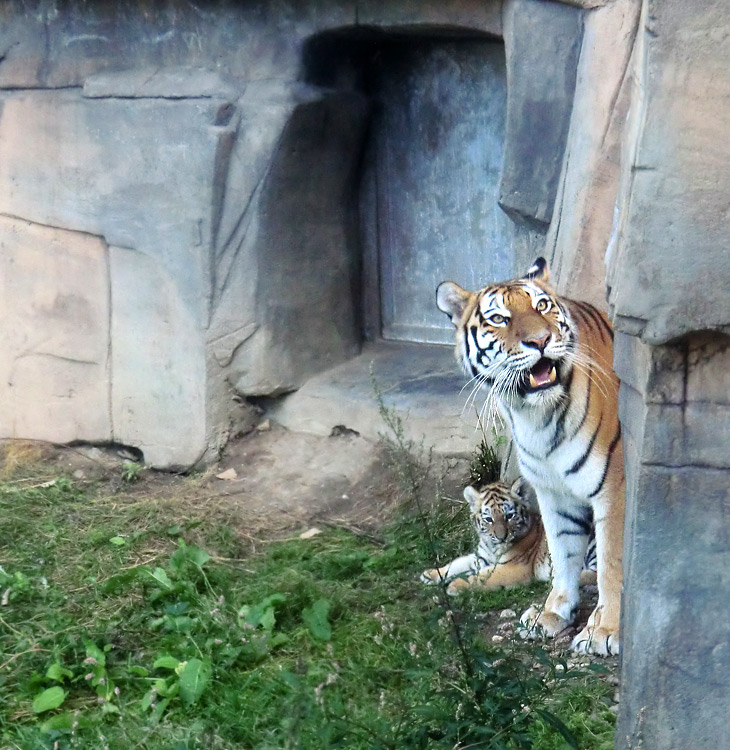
pixel 541 376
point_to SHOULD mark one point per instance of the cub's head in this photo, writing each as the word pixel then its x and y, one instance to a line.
pixel 500 512
pixel 516 337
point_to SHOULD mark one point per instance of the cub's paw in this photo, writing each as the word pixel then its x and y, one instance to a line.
pixel 597 641
pixel 456 586
pixel 536 622
pixel 431 576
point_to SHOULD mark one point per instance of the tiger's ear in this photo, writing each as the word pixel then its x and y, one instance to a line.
pixel 539 270
pixel 472 497
pixel 452 300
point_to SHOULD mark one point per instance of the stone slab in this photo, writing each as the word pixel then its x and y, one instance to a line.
pixel 542 41
pixel 421 384
pixel 139 174
pixel 54 345
pixel 158 364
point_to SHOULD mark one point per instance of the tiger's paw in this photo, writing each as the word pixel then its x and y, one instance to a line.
pixel 597 641
pixel 600 636
pixel 536 622
pixel 434 575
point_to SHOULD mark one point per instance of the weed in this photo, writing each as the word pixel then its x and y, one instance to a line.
pixel 484 466
pixel 131 471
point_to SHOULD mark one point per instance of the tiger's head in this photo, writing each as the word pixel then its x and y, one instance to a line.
pixel 500 512
pixel 515 337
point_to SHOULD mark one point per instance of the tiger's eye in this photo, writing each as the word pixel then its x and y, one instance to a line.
pixel 542 305
pixel 497 319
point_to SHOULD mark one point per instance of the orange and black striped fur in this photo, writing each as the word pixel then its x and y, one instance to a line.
pixel 512 549
pixel 546 362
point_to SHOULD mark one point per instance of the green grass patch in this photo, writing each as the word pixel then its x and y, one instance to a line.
pixel 124 626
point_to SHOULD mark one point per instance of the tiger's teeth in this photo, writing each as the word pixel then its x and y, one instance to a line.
pixel 553 374
pixel 533 382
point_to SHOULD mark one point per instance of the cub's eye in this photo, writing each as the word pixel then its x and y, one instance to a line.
pixel 543 305
pixel 497 319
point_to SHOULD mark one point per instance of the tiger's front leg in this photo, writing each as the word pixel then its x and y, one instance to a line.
pixel 567 530
pixel 600 636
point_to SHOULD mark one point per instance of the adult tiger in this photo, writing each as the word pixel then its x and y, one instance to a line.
pixel 547 361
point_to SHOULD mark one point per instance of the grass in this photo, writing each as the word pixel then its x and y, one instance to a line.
pixel 125 623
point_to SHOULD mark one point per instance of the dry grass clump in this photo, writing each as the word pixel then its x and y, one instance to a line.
pixel 20 458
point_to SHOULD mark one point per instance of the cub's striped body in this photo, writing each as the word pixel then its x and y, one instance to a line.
pixel 512 548
pixel 547 364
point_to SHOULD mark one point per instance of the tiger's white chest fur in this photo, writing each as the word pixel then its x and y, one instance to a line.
pixel 564 469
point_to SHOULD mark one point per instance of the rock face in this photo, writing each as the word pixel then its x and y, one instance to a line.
pixel 669 272
pixel 213 193
pixel 675 413
pixel 207 165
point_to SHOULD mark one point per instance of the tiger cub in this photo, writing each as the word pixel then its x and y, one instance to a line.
pixel 512 549
pixel 546 364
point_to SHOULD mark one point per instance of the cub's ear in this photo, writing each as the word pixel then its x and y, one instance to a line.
pixel 472 497
pixel 539 270
pixel 452 300
pixel 519 488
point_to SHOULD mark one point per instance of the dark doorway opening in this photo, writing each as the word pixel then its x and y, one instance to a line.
pixel 427 203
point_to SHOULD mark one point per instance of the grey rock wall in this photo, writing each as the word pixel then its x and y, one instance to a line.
pixel 669 275
pixel 139 180
pixel 676 633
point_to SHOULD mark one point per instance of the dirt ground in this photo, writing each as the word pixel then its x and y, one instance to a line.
pixel 270 482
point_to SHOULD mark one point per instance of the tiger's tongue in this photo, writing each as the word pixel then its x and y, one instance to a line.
pixel 542 373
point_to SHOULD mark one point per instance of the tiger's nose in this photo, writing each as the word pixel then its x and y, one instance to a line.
pixel 537 341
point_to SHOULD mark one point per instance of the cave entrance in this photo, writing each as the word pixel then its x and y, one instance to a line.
pixel 429 184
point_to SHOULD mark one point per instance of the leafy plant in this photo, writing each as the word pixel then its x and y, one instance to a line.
pixel 131 471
